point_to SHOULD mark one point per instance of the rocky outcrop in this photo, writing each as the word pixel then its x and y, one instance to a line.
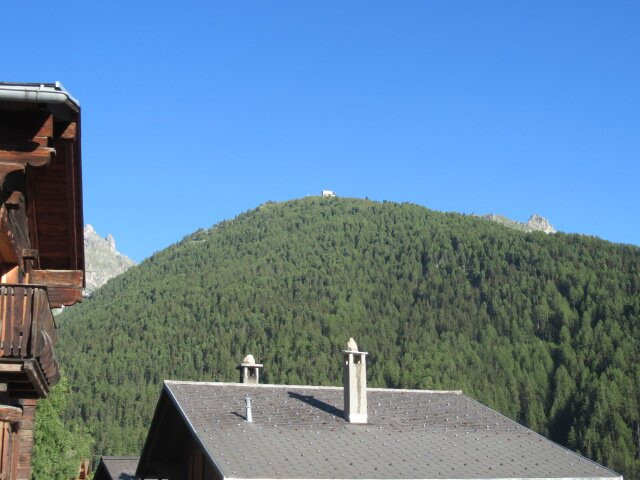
pixel 536 223
pixel 102 260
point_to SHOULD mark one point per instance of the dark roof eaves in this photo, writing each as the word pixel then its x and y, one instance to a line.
pixel 193 431
pixel 154 425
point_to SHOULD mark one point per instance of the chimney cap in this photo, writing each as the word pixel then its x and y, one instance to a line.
pixel 249 361
pixel 352 347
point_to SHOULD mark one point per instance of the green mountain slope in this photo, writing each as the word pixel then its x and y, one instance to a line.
pixel 544 328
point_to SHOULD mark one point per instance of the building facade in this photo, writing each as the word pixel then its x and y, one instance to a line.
pixel 41 252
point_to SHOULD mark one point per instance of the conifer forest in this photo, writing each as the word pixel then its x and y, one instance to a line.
pixel 543 328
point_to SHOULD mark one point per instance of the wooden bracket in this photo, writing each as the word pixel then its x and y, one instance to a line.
pixel 16 160
pixel 34 374
pixel 65 130
pixel 35 157
pixel 10 413
pixel 64 286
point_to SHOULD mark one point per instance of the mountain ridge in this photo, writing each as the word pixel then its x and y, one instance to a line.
pixel 535 223
pixel 543 328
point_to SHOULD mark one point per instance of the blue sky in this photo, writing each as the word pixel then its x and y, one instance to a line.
pixel 196 111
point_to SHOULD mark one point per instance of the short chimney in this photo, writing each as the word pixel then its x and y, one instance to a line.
pixel 249 370
pixel 355 383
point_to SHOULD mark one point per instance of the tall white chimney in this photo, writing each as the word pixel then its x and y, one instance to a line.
pixel 249 370
pixel 355 383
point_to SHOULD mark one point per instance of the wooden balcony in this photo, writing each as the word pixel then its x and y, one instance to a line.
pixel 28 366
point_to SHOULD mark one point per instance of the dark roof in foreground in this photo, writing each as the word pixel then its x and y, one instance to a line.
pixel 117 468
pixel 299 433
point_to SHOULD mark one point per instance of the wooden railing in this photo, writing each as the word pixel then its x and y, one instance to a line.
pixel 28 328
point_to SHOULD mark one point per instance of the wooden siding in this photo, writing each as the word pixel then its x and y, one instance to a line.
pixel 41 261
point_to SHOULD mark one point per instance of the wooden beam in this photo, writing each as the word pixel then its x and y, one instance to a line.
pixel 75 230
pixel 62 296
pixel 65 130
pixel 40 141
pixel 31 219
pixel 14 158
pixel 9 413
pixel 10 367
pixel 34 373
pixel 46 129
pixel 35 157
pixel 57 278
pixel 9 167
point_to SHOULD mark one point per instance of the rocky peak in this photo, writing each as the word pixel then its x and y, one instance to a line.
pixel 111 242
pixel 536 223
pixel 102 260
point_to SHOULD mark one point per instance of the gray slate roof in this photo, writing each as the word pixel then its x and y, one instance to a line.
pixel 299 433
pixel 120 468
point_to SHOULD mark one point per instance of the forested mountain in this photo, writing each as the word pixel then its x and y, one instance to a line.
pixel 544 328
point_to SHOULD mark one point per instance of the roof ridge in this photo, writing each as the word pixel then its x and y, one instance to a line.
pixel 315 387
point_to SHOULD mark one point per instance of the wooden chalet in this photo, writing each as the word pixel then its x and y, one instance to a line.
pixel 41 252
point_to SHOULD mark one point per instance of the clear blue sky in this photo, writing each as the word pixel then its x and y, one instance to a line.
pixel 196 111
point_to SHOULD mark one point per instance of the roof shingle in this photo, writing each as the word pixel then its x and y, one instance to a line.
pixel 119 468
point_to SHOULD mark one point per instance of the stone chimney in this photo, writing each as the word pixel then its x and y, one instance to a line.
pixel 249 370
pixel 355 383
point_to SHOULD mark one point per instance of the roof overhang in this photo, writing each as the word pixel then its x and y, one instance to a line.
pixel 42 94
pixel 40 134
